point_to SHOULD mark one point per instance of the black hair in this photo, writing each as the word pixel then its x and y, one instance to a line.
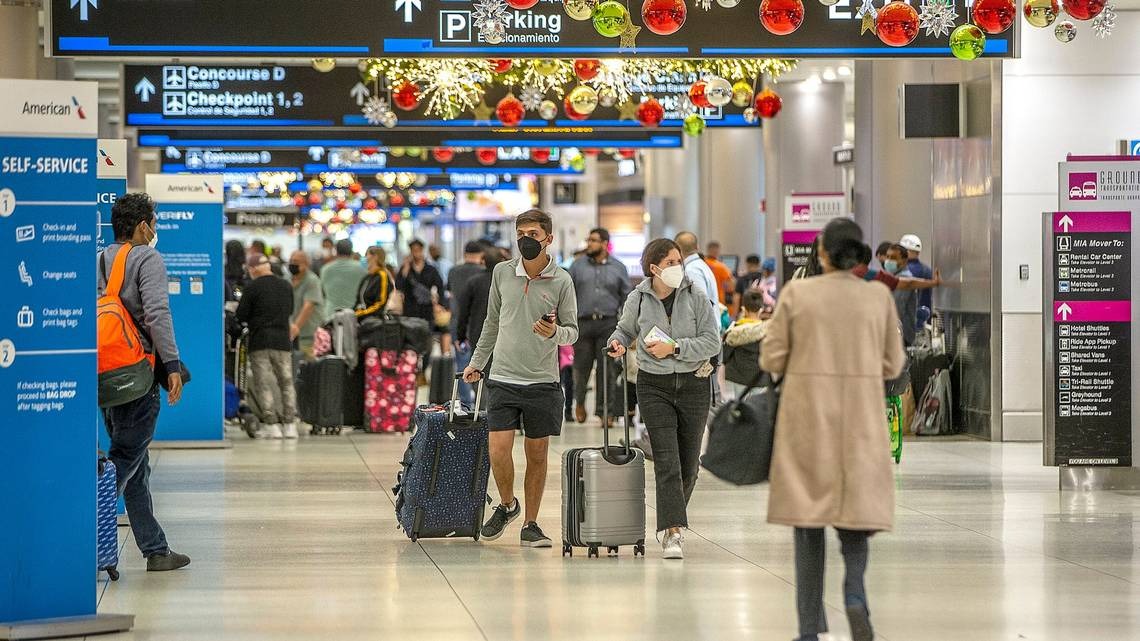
pixel 130 210
pixel 899 248
pixel 753 300
pixel 865 255
pixel 602 233
pixel 259 245
pixel 344 247
pixel 492 256
pixel 235 261
pixel 813 267
pixel 328 239
pixel 414 242
pixel 473 247
pixel 752 259
pixel 881 250
pixel 537 216
pixel 655 252
pixel 842 239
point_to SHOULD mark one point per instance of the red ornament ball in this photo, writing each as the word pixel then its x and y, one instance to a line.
pixel 486 155
pixel 442 154
pixel 299 200
pixel 522 4
pixel 781 17
pixel 591 152
pixel 540 155
pixel 587 68
pixel 897 24
pixel 370 203
pixel 406 96
pixel 510 111
pixel 341 204
pixel 697 94
pixel 995 16
pixel 500 65
pixel 768 103
pixel 650 113
pixel 627 153
pixel 570 112
pixel 316 198
pixel 396 199
pixel 1081 9
pixel 664 17
pixel 369 151
pixel 355 188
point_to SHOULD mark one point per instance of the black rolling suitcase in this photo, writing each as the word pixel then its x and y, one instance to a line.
pixel 321 394
pixel 442 375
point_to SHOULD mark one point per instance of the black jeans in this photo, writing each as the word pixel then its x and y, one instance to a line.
pixel 566 374
pixel 674 408
pixel 131 428
pixel 591 346
pixel 810 555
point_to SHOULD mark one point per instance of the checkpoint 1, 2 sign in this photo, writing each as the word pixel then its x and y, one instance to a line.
pixel 433 28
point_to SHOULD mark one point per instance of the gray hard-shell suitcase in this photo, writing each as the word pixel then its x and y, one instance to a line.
pixel 603 494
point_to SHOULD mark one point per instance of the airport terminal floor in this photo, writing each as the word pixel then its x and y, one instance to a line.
pixel 297 540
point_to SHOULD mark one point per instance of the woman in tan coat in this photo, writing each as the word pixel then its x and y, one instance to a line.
pixel 834 338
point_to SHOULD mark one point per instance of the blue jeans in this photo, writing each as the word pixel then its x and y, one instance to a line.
pixel 462 360
pixel 131 428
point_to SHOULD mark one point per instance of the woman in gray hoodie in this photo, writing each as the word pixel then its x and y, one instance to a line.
pixel 676 333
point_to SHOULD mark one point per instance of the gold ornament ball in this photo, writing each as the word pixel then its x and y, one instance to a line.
pixel 548 110
pixel 324 65
pixel 1041 13
pixel 315 185
pixel 397 152
pixel 607 97
pixel 583 99
pixel 1065 31
pixel 546 66
pixel 579 9
pixel 741 94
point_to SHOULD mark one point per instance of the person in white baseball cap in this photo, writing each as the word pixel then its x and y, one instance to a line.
pixel 918 269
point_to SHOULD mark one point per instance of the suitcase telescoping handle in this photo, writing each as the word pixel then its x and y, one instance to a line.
pixel 455 397
pixel 627 456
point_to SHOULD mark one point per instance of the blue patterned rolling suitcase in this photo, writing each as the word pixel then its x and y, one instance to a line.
pixel 107 522
pixel 442 489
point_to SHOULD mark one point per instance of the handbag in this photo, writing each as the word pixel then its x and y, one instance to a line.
pixel 741 435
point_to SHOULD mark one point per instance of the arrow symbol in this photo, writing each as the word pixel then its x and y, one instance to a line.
pixel 1064 311
pixel 406 5
pixel 1066 222
pixel 82 4
pixel 360 92
pixel 144 89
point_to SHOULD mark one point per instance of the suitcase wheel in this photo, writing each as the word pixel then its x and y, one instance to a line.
pixel 593 552
pixel 113 573
pixel 567 549
pixel 613 550
pixel 249 425
pixel 639 549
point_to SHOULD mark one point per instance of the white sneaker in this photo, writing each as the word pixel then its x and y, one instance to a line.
pixel 671 546
pixel 272 430
pixel 290 430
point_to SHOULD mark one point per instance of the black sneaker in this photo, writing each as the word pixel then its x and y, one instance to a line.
pixel 499 520
pixel 166 562
pixel 532 537
pixel 859 618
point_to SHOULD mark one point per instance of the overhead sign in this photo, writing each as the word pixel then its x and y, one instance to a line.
pixel 812 211
pixel 434 28
pixel 263 218
pixel 220 159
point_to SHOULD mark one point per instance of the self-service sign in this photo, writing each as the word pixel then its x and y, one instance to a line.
pixel 1089 334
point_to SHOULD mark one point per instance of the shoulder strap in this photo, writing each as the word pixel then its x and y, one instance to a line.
pixel 118 271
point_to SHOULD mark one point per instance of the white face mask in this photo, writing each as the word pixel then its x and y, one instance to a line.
pixel 672 276
pixel 154 239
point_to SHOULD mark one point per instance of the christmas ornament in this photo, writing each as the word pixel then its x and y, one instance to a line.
pixel 1083 9
pixel 486 155
pixel 374 110
pixel 1065 31
pixel 718 91
pixel 583 99
pixel 545 66
pixel 299 200
pixel 548 110
pixel 398 152
pixel 406 96
pixel 531 97
pixel 607 96
pixel 389 119
pixel 995 16
pixel 493 33
pixel 577 163
pixel 609 18
pixel 829 3
pixel 937 17
pixel 629 35
pixel 628 110
pixel 1041 13
pixel 316 198
pixel 500 65
pixel 354 188
pixel 664 17
pixel 694 125
pixel 628 154
pixel 697 94
pixel 522 5
pixel 370 203
pixel 768 103
pixel 967 42
pixel 482 113
pixel 867 14
pixel 571 112
pixel 490 17
pixel 650 113
pixel 897 24
pixel 587 68
pixel 1104 23
pixel 741 94
pixel 540 155
pixel 781 17
pixel 510 110
pixel 579 9
pixel 728 4
pixel 369 151
pixel 442 154
pixel 324 65
pixel 750 116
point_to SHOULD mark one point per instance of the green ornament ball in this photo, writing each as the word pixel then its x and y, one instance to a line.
pixel 609 18
pixel 694 125
pixel 578 163
pixel 967 42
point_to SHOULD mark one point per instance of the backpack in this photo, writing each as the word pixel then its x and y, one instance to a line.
pixel 126 370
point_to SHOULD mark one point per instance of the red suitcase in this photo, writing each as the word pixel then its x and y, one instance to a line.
pixel 389 389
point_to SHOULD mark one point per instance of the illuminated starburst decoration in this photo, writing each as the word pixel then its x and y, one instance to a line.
pixel 558 74
pixel 490 17
pixel 1103 25
pixel 450 87
pixel 613 74
pixel 937 17
pixel 374 110
pixel 531 97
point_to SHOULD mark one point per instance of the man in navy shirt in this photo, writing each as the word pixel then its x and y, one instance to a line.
pixel 918 269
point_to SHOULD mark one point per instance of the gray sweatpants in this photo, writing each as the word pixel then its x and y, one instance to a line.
pixel 273 385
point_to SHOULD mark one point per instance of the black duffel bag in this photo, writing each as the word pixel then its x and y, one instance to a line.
pixel 395 333
pixel 741 435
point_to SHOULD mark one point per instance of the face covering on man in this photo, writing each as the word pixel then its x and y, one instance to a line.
pixel 153 242
pixel 892 266
pixel 294 269
pixel 671 276
pixel 529 247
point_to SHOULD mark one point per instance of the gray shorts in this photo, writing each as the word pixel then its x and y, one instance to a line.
pixel 537 408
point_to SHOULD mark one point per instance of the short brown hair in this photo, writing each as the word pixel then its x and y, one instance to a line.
pixel 655 252
pixel 538 217
pixel 753 300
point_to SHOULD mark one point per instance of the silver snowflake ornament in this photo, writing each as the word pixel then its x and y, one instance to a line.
pixel 937 17
pixel 374 110
pixel 1104 23
pixel 531 97
pixel 684 106
pixel 867 8
pixel 490 16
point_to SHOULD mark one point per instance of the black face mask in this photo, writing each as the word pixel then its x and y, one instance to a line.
pixel 294 269
pixel 529 248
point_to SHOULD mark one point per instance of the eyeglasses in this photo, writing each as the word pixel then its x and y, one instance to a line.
pixel 593 239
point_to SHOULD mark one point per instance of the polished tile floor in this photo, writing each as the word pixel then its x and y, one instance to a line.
pixel 297 540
